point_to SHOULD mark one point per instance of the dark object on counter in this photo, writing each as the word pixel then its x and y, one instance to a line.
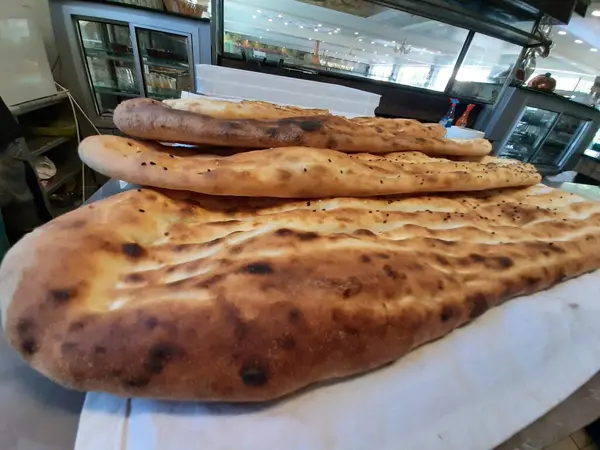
pixel 21 199
pixel 543 83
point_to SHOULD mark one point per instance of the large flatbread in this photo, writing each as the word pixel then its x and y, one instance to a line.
pixel 246 109
pixel 181 296
pixel 149 119
pixel 296 172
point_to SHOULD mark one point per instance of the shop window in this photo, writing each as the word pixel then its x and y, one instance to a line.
pixel 487 64
pixel 352 37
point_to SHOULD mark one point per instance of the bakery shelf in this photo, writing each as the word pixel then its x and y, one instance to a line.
pixel 38 103
pixel 150 61
pixel 41 144
pixel 63 174
pixel 102 53
pixel 112 91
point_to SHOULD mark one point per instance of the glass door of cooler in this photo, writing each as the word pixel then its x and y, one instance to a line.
pixel 167 63
pixel 559 142
pixel 529 134
pixel 109 63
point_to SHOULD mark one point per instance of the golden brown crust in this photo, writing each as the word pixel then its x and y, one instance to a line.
pixel 296 172
pixel 148 119
pixel 246 109
pixel 199 297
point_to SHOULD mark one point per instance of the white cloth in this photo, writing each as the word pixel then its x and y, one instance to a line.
pixel 472 389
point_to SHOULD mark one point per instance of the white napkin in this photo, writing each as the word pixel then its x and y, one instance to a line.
pixel 472 389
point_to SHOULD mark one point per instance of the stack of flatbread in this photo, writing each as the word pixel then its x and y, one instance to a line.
pixel 277 248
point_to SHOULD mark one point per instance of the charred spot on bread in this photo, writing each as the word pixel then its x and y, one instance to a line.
pixel 137 381
pixel 390 272
pixel 151 322
pixel 100 350
pixel 159 356
pixel 294 315
pixel 353 287
pixel 504 262
pixel 29 346
pixel 59 296
pixel 26 334
pixel 258 268
pixel 447 313
pixel 282 232
pixel 272 132
pixel 254 373
pixel 477 304
pixel 365 258
pixel 307 236
pixel 133 250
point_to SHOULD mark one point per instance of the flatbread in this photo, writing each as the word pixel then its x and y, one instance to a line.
pixel 181 296
pixel 296 172
pixel 149 119
pixel 246 109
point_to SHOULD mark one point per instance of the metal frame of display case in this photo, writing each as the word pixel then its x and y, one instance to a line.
pixel 64 15
pixel 499 123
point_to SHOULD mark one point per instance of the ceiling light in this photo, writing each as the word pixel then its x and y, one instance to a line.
pixel 319 25
pixel 301 26
pixel 364 49
pixel 279 16
pixel 310 39
pixel 356 33
pixel 393 42
pixel 268 29
pixel 258 11
pixel 562 32
pixel 596 13
pixel 270 20
pixel 285 23
pixel 593 49
pixel 372 42
pixel 375 52
pixel 359 39
pixel 316 29
pixel 336 31
pixel 385 45
pixel 330 33
pixel 387 54
pixel 260 37
pixel 254 17
pixel 578 41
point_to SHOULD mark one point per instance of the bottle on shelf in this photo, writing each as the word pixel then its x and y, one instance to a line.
pixel 464 119
pixel 448 119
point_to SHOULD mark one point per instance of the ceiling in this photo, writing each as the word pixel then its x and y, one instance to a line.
pixel 577 58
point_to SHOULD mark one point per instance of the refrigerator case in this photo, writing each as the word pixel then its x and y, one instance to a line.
pixel 546 130
pixel 118 53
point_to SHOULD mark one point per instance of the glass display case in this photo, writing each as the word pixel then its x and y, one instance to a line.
pixel 531 130
pixel 109 63
pixel 544 129
pixel 117 53
pixel 167 64
pixel 370 41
